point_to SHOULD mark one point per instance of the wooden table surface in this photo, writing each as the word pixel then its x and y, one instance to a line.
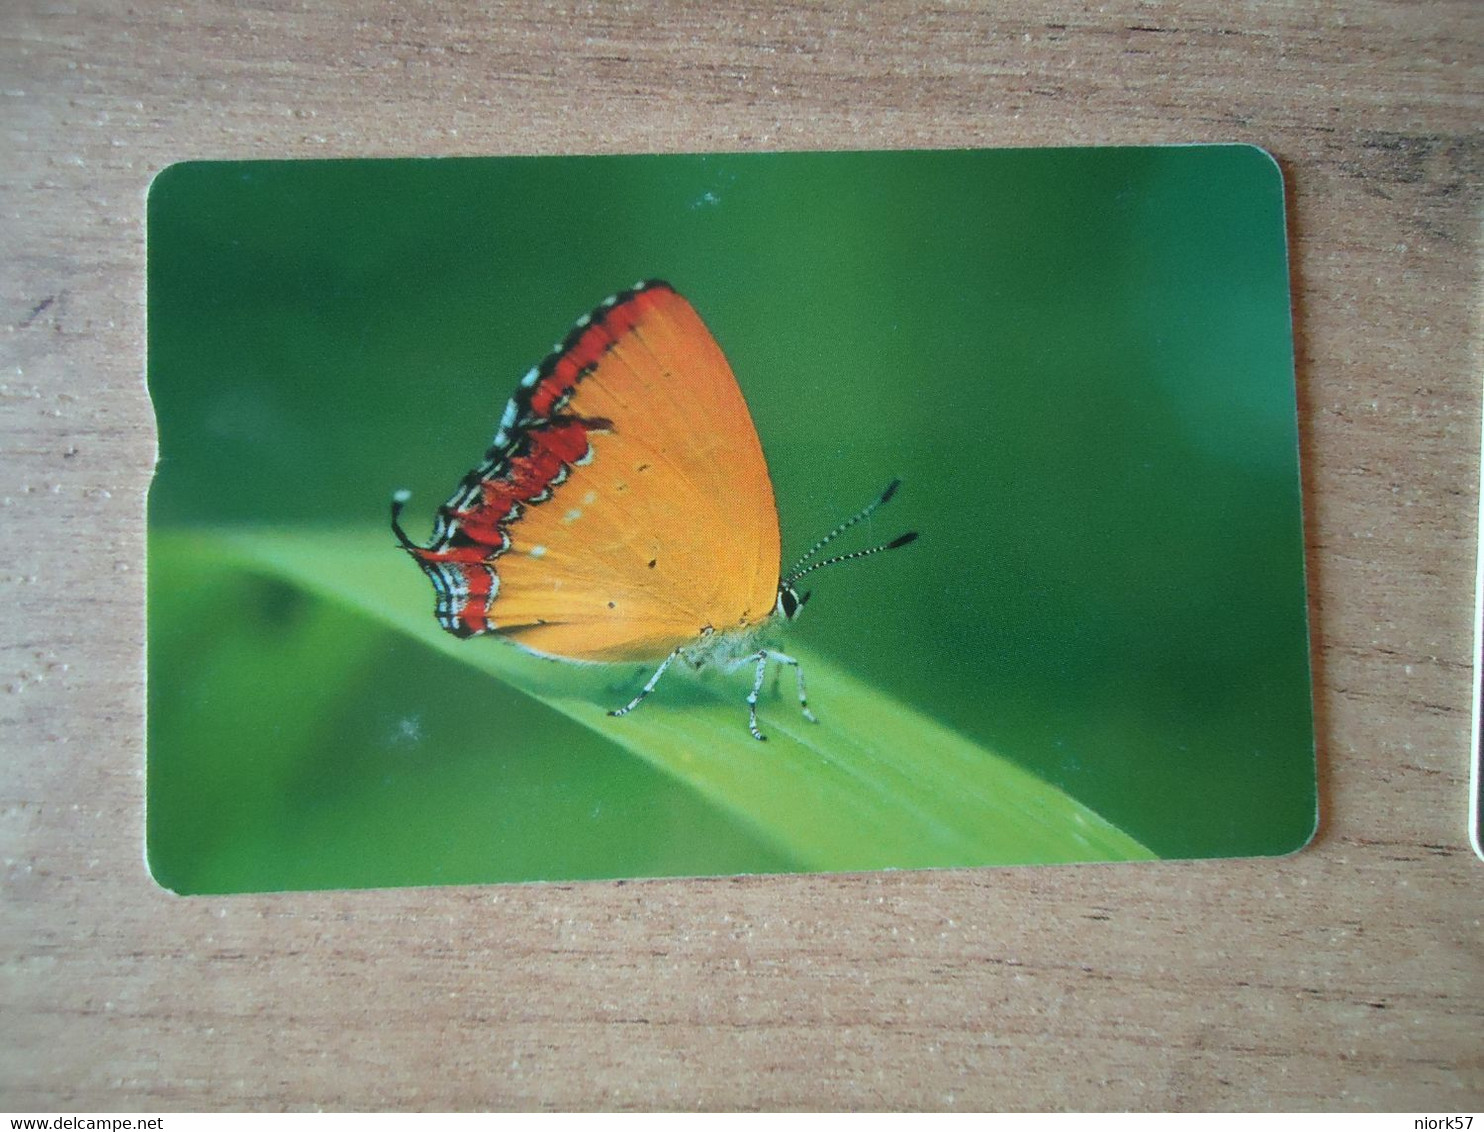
pixel 1348 976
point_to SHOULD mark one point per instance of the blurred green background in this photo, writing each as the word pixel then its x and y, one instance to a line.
pixel 1078 361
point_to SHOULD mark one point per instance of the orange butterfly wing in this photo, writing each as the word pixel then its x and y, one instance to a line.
pixel 625 507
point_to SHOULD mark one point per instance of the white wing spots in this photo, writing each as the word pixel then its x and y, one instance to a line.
pixel 536 551
pixel 639 286
pixel 584 320
pixel 507 420
pixel 572 516
pixel 585 459
pixel 532 376
pixel 609 301
pixel 590 498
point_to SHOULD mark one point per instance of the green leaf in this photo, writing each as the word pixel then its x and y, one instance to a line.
pixel 875 784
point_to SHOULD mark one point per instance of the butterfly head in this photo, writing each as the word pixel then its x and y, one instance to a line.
pixel 790 601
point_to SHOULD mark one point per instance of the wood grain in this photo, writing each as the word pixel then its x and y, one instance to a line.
pixel 1348 976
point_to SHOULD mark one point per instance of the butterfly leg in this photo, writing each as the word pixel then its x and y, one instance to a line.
pixel 762 657
pixel 649 687
pixel 784 658
pixel 757 683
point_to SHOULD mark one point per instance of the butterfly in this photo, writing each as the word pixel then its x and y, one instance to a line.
pixel 623 511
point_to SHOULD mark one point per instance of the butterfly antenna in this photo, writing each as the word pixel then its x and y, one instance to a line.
pixel 900 540
pixel 399 500
pixel 863 514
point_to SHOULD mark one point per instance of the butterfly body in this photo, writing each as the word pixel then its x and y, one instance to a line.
pixel 624 510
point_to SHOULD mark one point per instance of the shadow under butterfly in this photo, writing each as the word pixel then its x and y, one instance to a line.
pixel 624 511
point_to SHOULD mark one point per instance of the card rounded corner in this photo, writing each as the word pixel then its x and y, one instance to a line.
pixel 156 875
pixel 1307 838
pixel 1268 158
pixel 165 175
